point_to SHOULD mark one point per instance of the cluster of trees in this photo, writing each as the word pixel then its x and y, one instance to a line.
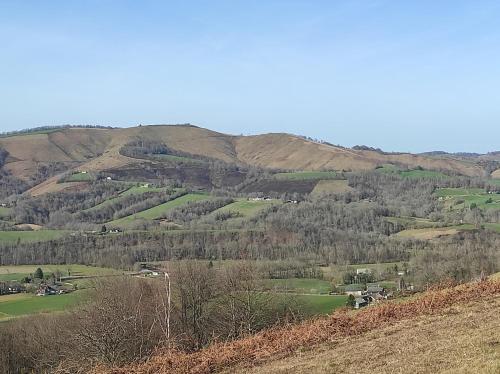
pixel 128 318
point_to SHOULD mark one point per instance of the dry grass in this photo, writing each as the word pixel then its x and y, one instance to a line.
pixel 428 233
pixel 283 342
pixel 463 339
pixel 98 149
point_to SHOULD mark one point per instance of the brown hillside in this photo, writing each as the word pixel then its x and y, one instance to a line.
pixel 471 310
pixel 98 149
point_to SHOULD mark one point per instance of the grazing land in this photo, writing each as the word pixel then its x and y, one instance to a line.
pixel 157 211
pixel 25 304
pixel 299 285
pixel 464 198
pixel 79 177
pixel 432 233
pixel 17 272
pixel 31 236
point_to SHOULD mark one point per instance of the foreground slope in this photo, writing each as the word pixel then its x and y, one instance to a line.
pixel 463 339
pixel 455 329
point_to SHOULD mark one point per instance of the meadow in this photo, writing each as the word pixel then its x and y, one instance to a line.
pixel 133 190
pixel 460 198
pixel 157 211
pixel 31 236
pixel 17 272
pixel 332 186
pixel 25 304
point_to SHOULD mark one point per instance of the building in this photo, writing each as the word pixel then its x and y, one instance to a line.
pixel 361 302
pixel 363 271
pixel 354 289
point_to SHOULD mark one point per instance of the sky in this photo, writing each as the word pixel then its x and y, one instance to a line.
pixel 400 75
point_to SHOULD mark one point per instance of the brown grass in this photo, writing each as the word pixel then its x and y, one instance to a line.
pixel 283 342
pixel 98 149
pixel 462 339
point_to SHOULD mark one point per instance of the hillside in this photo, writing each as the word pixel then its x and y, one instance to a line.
pixel 97 149
pixel 450 330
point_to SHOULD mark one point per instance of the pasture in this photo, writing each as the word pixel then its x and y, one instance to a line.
pixel 79 177
pixel 321 304
pixel 298 285
pixel 306 175
pixel 157 211
pixel 134 190
pixel 22 304
pixel 244 208
pixel 17 272
pixel 31 236
pixel 464 198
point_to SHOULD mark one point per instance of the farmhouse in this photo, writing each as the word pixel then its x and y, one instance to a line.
pixel 354 289
pixel 363 271
pixel 45 290
pixel 361 302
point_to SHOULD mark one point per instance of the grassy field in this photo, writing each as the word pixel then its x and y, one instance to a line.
pixel 134 190
pixel 177 159
pixel 159 210
pixel 493 226
pixel 4 212
pixel 460 198
pixel 31 236
pixel 306 175
pixel 416 173
pixel 26 304
pixel 299 285
pixel 17 272
pixel 321 304
pixel 422 174
pixel 332 186
pixel 245 208
pixel 79 177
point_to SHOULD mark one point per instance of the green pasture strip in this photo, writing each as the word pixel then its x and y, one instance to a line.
pixel 31 236
pixel 159 210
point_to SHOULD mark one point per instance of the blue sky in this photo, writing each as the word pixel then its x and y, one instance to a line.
pixel 400 75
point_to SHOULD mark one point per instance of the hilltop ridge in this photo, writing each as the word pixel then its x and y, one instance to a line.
pixel 97 149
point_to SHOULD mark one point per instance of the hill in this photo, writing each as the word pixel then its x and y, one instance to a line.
pixel 453 330
pixel 101 149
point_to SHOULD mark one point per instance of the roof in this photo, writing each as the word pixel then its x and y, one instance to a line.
pixel 374 289
pixel 354 287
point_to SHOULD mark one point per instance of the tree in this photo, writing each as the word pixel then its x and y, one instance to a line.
pixel 38 274
pixel 351 301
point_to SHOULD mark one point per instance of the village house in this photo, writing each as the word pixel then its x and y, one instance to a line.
pixel 354 289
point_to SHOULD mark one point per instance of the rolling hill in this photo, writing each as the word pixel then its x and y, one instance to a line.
pixel 99 149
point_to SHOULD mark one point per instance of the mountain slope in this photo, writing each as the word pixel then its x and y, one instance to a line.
pixel 99 149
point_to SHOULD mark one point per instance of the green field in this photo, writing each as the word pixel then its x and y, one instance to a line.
pixel 4 212
pixel 31 236
pixel 493 226
pixel 306 175
pixel 79 177
pixel 299 285
pixel 159 210
pixel 321 304
pixel 245 208
pixel 416 173
pixel 134 190
pixel 17 272
pixel 26 304
pixel 460 198
pixel 422 174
